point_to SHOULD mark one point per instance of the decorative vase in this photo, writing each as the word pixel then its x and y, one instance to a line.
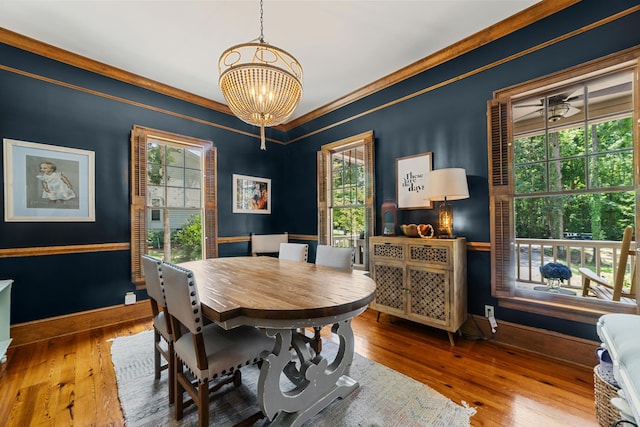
pixel 553 284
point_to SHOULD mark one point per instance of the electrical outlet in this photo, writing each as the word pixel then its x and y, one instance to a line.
pixel 129 298
pixel 488 311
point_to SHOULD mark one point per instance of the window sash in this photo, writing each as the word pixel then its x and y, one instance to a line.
pixel 324 163
pixel 502 192
pixel 140 137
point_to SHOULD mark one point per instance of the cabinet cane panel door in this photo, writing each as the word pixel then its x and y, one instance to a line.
pixel 428 294
pixel 390 292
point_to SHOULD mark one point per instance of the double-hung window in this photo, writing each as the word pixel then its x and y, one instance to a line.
pixel 563 184
pixel 345 195
pixel 173 198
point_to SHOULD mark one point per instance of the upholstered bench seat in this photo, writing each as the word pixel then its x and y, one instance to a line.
pixel 619 334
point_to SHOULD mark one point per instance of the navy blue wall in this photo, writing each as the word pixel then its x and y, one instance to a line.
pixel 449 121
pixel 35 110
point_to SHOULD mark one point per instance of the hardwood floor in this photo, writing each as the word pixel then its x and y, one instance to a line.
pixel 70 381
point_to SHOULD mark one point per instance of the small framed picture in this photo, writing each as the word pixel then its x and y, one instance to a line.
pixel 251 194
pixel 44 183
pixel 410 181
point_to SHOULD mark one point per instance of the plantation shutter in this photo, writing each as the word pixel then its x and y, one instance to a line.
pixel 501 202
pixel 138 203
pixel 211 202
pixel 323 220
pixel 370 220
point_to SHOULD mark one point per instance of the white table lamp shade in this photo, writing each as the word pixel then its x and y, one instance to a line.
pixel 447 184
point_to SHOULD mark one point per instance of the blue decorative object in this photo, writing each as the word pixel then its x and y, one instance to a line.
pixel 555 270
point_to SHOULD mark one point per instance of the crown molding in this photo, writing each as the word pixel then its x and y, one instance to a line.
pixel 49 51
pixel 528 16
pixel 507 26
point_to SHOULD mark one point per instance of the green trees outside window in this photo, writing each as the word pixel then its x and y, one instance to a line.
pixel 348 193
pixel 574 175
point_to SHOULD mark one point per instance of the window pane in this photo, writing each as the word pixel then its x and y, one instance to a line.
pixel 155 195
pixel 185 239
pixel 566 143
pixel 347 225
pixel 352 196
pixel 611 135
pixel 186 235
pixel 175 197
pixel 611 94
pixel 527 116
pixel 155 174
pixel 542 217
pixel 529 149
pixel 193 178
pixel 531 178
pixel 346 176
pixel 192 198
pixel 360 195
pixel 193 159
pixel 336 179
pixel 175 156
pixel 565 106
pixel 175 176
pixel 612 170
pixel 567 174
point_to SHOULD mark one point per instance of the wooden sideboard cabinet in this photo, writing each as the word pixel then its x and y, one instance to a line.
pixel 423 280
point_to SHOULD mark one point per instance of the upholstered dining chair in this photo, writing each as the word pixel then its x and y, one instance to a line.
pixel 208 352
pixel 592 284
pixel 152 268
pixel 337 258
pixel 267 243
pixel 294 251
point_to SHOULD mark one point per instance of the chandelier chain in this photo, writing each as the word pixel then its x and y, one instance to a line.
pixel 261 24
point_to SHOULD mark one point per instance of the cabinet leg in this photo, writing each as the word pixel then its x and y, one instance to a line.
pixel 451 340
pixel 378 317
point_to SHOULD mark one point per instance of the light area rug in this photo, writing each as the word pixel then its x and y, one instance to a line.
pixel 385 398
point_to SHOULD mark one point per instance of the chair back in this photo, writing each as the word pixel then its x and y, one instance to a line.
pixel 152 269
pixel 294 251
pixel 337 258
pixel 183 302
pixel 625 251
pixel 267 243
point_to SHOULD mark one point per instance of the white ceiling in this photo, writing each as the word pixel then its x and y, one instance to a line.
pixel 343 45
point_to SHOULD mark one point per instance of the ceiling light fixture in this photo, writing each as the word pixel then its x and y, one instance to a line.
pixel 557 111
pixel 261 83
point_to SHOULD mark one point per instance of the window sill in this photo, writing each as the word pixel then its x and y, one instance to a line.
pixel 584 310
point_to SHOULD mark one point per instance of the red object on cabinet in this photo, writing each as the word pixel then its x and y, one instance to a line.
pixel 389 218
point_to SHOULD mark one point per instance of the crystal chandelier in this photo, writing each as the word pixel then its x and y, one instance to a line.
pixel 261 83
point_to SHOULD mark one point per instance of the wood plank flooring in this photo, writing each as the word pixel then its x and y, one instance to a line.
pixel 69 381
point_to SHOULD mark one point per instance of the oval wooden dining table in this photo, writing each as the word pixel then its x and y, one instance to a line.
pixel 281 297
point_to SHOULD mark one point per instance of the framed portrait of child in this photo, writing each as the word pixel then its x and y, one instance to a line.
pixel 44 183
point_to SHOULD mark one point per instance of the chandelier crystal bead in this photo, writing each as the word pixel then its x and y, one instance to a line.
pixel 261 83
